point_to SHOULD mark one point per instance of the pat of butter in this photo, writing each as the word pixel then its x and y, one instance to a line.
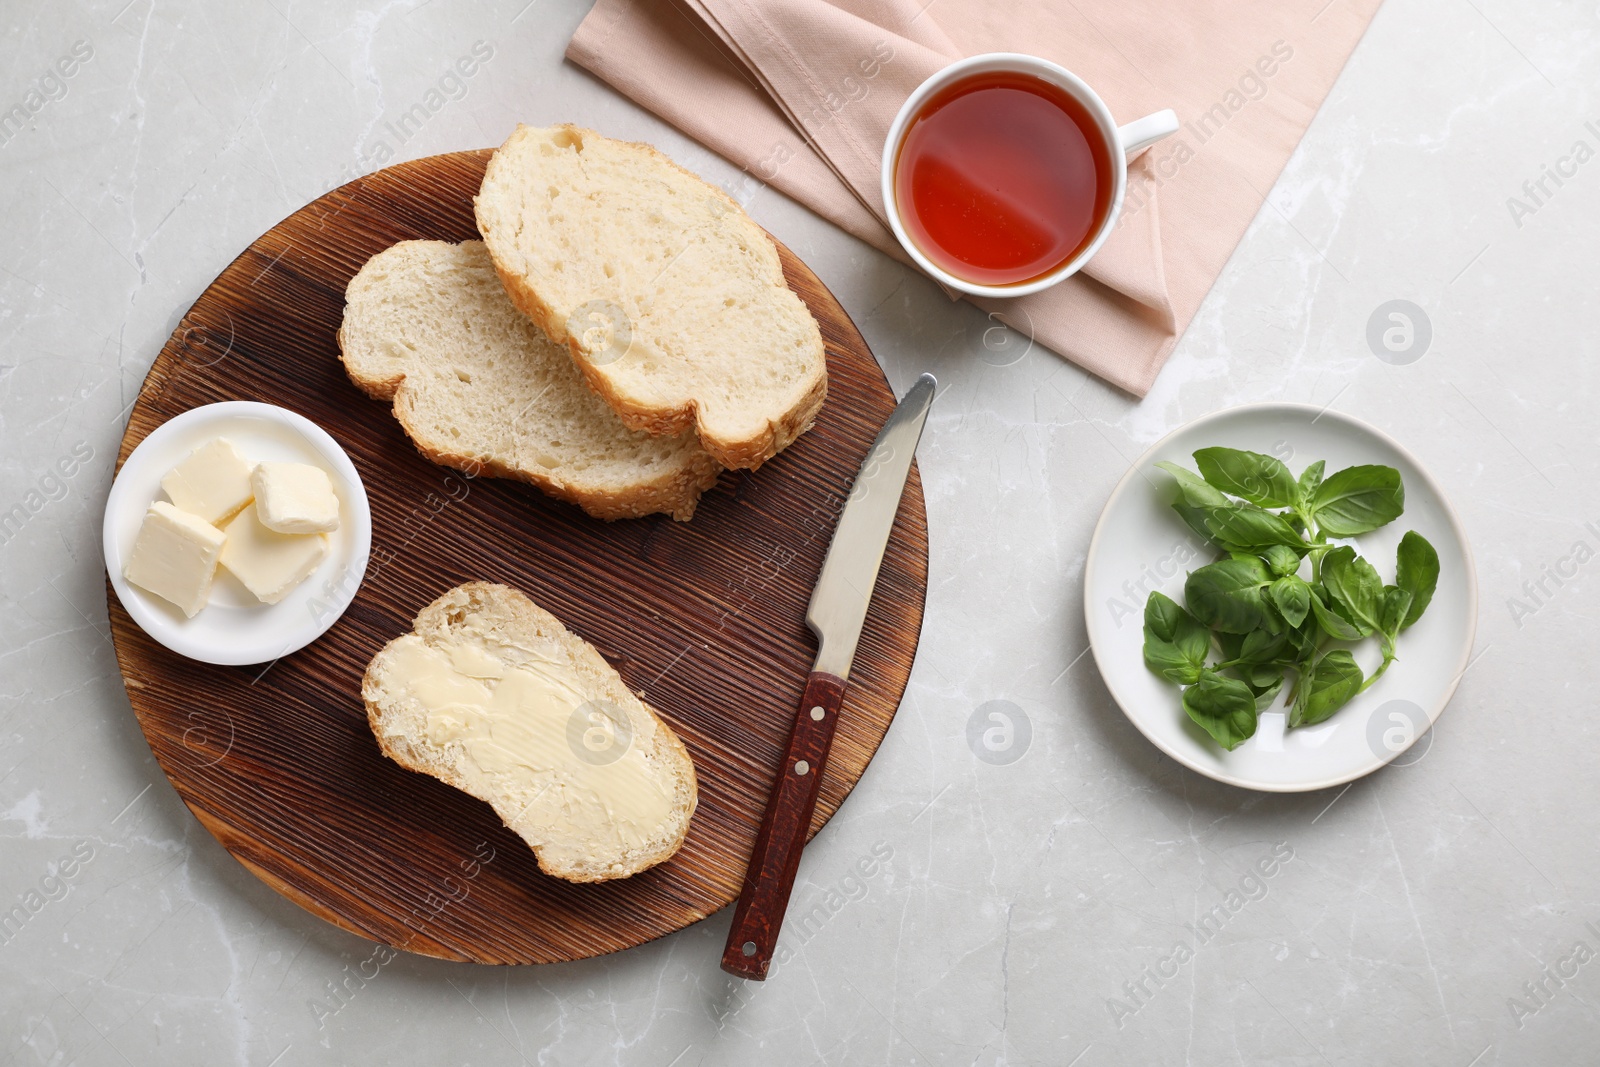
pixel 570 766
pixel 295 498
pixel 175 556
pixel 213 482
pixel 269 563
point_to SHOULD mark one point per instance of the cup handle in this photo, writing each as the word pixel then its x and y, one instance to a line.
pixel 1140 134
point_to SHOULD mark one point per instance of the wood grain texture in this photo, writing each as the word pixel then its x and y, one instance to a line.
pixel 774 862
pixel 705 618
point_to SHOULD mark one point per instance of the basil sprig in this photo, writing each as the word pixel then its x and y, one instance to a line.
pixel 1253 607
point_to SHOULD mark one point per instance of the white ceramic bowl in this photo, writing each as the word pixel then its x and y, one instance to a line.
pixel 1141 544
pixel 235 628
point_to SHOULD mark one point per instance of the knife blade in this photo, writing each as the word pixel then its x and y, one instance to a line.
pixel 850 570
pixel 837 613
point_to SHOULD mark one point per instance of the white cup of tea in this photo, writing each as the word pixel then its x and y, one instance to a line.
pixel 1004 173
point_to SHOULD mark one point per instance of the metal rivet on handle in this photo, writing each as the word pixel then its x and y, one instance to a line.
pixel 748 948
pixel 817 713
pixel 802 767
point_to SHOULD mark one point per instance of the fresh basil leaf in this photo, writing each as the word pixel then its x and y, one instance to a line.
pixel 1310 479
pixel 1307 638
pixel 1417 572
pixel 1231 644
pixel 1392 608
pixel 1196 491
pixel 1250 528
pixel 1226 595
pixel 1293 597
pixel 1281 559
pixel 1223 707
pixel 1239 529
pixel 1330 684
pixel 1166 660
pixel 1162 616
pixel 1257 478
pixel 1303 643
pixel 1265 676
pixel 1170 663
pixel 1333 624
pixel 1175 645
pixel 1266 694
pixel 1195 518
pixel 1355 587
pixel 1358 499
pixel 1262 647
pixel 1191 638
pixel 1272 622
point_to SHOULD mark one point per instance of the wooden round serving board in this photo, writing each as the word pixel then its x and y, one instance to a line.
pixel 705 618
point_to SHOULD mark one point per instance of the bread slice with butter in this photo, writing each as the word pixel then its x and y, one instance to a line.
pixel 491 694
pixel 478 387
pixel 671 298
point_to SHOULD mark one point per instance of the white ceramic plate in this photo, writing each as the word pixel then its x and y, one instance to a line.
pixel 236 628
pixel 1141 544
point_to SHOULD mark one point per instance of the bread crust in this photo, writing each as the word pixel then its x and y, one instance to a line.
pixel 676 493
pixel 741 453
pixel 434 619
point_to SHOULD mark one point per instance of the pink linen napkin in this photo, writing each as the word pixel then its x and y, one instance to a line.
pixel 801 93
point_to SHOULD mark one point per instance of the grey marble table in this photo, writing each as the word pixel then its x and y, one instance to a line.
pixel 1443 912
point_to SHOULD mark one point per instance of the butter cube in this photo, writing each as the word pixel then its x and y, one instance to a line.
pixel 175 556
pixel 213 482
pixel 295 498
pixel 269 563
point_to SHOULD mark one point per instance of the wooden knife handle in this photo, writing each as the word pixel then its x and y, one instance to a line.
pixel 769 879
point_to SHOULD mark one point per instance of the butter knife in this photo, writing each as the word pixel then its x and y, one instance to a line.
pixel 837 612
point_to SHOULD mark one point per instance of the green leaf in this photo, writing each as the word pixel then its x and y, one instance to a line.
pixel 1226 595
pixel 1305 640
pixel 1169 663
pixel 1281 559
pixel 1327 687
pixel 1265 697
pixel 1175 645
pixel 1265 676
pixel 1240 526
pixel 1194 517
pixel 1334 625
pixel 1293 597
pixel 1358 499
pixel 1417 572
pixel 1262 647
pixel 1225 708
pixel 1163 616
pixel 1196 492
pixel 1392 608
pixel 1310 479
pixel 1257 478
pixel 1354 586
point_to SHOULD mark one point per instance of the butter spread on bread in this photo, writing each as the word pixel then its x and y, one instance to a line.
pixel 492 695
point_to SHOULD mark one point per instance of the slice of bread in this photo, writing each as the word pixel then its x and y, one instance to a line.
pixel 492 695
pixel 478 387
pixel 672 300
